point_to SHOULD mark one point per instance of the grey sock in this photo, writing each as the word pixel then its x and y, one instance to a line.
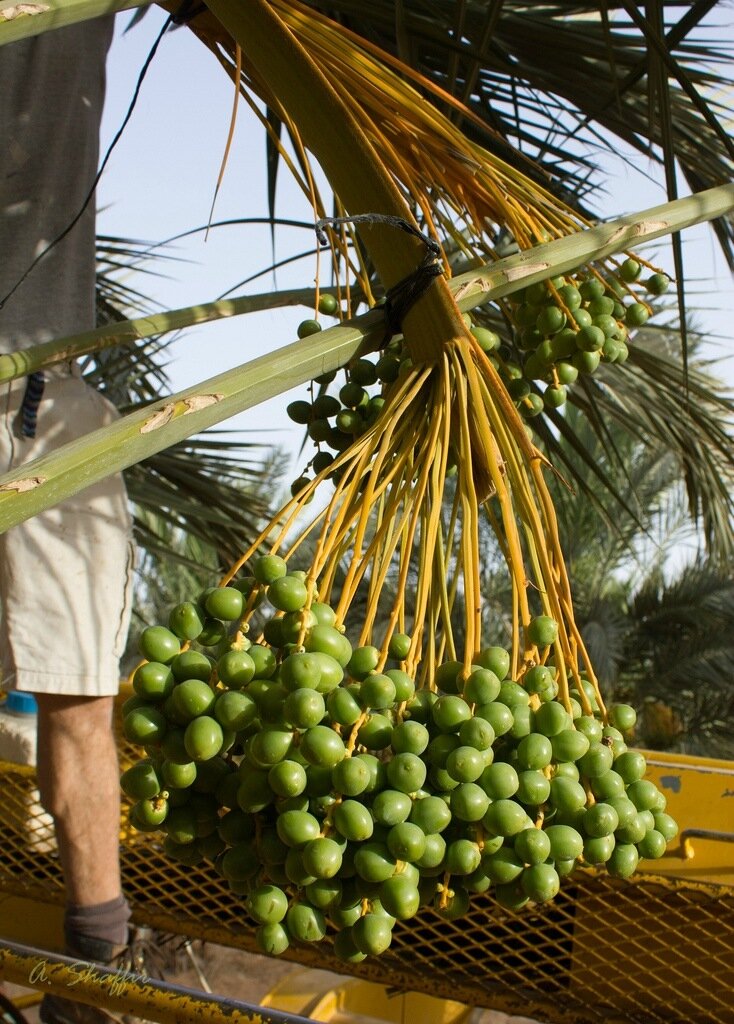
pixel 97 932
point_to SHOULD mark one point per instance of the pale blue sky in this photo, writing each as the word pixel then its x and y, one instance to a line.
pixel 160 182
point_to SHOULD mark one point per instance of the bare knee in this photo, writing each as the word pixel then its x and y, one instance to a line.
pixel 75 743
pixel 64 713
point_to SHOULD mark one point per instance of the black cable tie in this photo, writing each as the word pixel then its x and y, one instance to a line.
pixel 401 297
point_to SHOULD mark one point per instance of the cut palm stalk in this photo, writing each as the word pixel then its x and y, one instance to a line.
pixel 44 482
pixel 471 289
pixel 128 332
pixel 24 20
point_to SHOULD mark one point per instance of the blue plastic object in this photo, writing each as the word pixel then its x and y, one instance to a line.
pixel 19 703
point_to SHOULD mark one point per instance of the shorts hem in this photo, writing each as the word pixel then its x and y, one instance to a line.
pixel 33 681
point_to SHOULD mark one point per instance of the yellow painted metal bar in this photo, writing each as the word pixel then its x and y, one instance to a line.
pixel 127 992
pixel 700 795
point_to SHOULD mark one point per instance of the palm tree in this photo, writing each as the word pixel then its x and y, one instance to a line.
pixel 679 659
pixel 450 135
pixel 485 87
pixel 444 128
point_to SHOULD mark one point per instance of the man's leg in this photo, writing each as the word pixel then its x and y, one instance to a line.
pixel 79 783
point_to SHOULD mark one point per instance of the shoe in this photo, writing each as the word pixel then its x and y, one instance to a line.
pixel 95 957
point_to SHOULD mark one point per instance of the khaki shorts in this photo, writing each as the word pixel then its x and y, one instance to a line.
pixel 65 574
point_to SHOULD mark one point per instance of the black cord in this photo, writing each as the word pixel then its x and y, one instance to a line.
pixel 401 297
pixel 188 10
pixel 51 245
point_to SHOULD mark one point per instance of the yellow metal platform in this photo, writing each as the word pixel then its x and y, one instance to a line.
pixel 700 793
pixel 659 948
pixel 333 999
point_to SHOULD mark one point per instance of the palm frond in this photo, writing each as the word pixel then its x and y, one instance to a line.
pixel 688 414
pixel 680 657
pixel 559 82
pixel 126 373
pixel 602 476
pixel 214 488
pixel 605 631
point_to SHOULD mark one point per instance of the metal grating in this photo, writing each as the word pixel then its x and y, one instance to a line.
pixel 647 951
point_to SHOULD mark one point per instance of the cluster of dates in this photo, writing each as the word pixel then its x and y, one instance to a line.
pixel 333 795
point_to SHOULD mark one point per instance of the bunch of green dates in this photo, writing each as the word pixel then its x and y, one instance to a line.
pixel 334 796
pixel 569 325
pixel 334 421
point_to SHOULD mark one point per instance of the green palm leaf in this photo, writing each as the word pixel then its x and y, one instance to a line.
pixel 214 488
pixel 680 654
pixel 685 416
